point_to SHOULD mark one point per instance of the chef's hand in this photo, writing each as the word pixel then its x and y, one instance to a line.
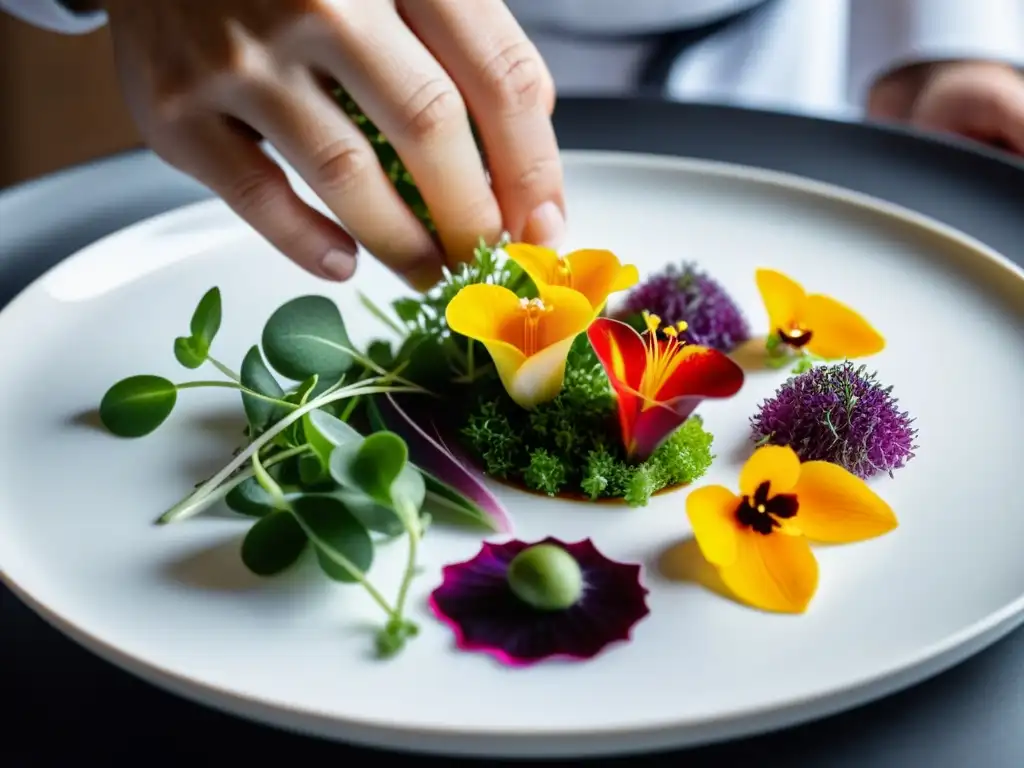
pixel 975 99
pixel 205 79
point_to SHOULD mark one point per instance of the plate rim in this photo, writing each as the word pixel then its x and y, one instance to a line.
pixel 981 633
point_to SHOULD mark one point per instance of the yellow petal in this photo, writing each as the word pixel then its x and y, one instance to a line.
pixel 777 465
pixel 596 274
pixel 784 299
pixel 540 377
pixel 482 312
pixel 539 263
pixel 507 361
pixel 712 513
pixel 628 276
pixel 773 572
pixel 837 507
pixel 837 331
pixel 570 315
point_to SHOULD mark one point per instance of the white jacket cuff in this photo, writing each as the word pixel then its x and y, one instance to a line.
pixel 53 15
pixel 887 34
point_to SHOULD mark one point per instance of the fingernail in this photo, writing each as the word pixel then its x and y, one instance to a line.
pixel 338 264
pixel 546 226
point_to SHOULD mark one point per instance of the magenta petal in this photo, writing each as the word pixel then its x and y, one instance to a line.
pixel 475 600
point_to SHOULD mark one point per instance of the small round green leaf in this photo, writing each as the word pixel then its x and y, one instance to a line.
pixel 206 319
pixel 335 531
pixel 325 432
pixel 249 498
pixel 273 544
pixel 374 517
pixel 188 352
pixel 372 466
pixel 312 471
pixel 408 493
pixel 136 406
pixel 256 376
pixel 307 336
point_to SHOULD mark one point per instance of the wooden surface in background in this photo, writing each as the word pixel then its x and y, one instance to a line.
pixel 59 101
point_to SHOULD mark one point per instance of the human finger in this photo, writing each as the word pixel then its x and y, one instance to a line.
pixel 337 161
pixel 413 101
pixel 510 94
pixel 236 169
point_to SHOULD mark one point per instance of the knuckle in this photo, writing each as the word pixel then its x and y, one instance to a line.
pixel 341 166
pixel 541 177
pixel 254 192
pixel 517 78
pixel 170 106
pixel 435 109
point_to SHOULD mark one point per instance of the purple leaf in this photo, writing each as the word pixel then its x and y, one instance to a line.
pixel 433 457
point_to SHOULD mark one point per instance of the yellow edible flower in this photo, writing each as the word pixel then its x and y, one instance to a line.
pixel 528 339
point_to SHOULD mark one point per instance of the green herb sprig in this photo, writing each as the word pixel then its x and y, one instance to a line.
pixel 432 354
pixel 308 478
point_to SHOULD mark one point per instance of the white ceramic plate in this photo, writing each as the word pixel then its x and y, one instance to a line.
pixel 175 606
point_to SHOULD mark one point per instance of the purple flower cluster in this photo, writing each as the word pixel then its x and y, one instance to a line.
pixel 840 414
pixel 686 293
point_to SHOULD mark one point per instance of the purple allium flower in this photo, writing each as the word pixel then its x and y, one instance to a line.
pixel 522 603
pixel 840 414
pixel 686 293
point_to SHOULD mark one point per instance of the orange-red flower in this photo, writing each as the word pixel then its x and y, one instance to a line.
pixel 658 381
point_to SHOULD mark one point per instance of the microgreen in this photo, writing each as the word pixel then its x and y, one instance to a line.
pixel 305 478
pixel 273 543
pixel 138 405
pixel 306 337
pixel 192 350
pixel 259 411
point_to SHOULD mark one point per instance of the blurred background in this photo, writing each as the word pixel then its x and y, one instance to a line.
pixel 59 101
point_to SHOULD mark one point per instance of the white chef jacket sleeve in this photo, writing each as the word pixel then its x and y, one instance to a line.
pixel 887 34
pixel 53 15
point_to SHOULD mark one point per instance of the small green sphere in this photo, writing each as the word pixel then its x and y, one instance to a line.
pixel 546 577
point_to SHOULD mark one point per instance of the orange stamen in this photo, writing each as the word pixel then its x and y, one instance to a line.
pixel 563 272
pixel 663 357
pixel 532 310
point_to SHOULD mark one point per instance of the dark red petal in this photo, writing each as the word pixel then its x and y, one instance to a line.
pixel 607 335
pixel 707 374
pixel 703 373
pixel 655 424
pixel 476 602
pixel 625 371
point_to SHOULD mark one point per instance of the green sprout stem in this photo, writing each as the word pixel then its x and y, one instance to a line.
pixel 241 476
pixel 238 387
pixel 383 374
pixel 381 315
pixel 194 502
pixel 349 408
pixel 410 517
pixel 224 369
pixel 268 483
pixel 349 567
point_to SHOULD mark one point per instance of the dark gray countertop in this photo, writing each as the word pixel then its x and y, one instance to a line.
pixel 68 705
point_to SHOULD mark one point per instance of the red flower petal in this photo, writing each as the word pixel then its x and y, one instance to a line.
pixel 653 425
pixel 702 372
pixel 620 349
pixel 623 356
